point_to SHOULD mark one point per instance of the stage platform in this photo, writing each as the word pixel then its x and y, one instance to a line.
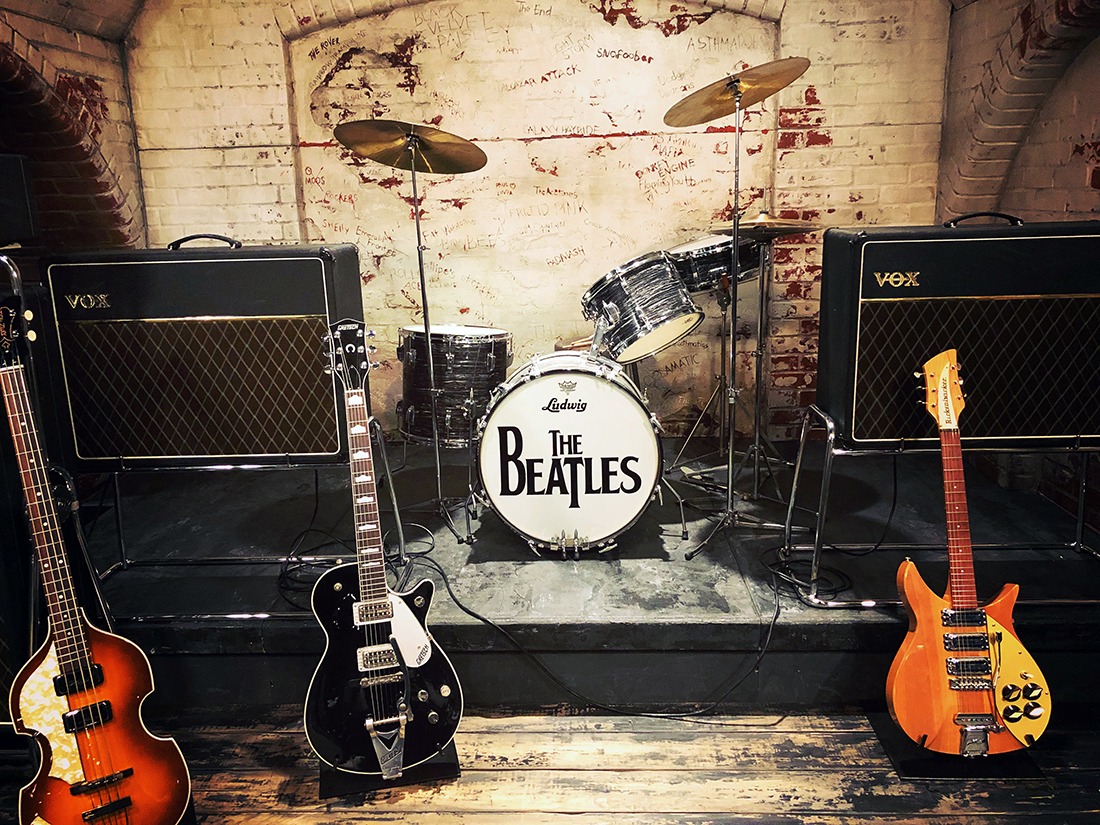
pixel 639 626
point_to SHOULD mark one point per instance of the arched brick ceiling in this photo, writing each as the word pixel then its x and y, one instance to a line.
pixel 1041 44
pixel 80 203
pixel 107 19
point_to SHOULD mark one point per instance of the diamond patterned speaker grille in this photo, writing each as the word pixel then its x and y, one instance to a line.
pixel 1030 366
pixel 199 387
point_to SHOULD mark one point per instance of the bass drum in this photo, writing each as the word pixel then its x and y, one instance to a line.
pixel 569 454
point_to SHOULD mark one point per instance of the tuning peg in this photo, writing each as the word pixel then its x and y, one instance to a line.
pixel 371 333
pixel 28 315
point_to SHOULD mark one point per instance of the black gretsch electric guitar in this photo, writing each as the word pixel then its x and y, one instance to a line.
pixel 80 694
pixel 384 697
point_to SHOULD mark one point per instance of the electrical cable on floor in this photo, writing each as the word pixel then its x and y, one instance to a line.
pixel 688 716
pixel 296 574
pixel 830 581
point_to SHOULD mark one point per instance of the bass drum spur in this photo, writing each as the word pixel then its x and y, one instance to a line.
pixel 569 454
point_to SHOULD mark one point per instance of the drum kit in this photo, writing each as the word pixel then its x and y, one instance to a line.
pixel 568 454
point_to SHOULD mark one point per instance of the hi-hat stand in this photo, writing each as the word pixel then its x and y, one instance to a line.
pixel 414 148
pixel 732 95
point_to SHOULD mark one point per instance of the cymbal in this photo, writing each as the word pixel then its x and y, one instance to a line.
pixel 396 144
pixel 764 227
pixel 718 100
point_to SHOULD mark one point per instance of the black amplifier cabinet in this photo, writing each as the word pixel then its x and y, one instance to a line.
pixel 1020 303
pixel 200 357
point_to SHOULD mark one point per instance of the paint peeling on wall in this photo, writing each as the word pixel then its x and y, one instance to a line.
pixel 582 177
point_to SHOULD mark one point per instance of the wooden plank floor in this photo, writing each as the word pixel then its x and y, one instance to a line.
pixel 584 770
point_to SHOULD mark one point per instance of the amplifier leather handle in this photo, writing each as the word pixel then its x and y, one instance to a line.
pixel 178 243
pixel 1012 219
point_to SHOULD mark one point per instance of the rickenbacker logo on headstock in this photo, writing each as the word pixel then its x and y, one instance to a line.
pixel 88 301
pixel 897 279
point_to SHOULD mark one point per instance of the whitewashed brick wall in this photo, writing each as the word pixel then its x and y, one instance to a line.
pixel 858 144
pixel 856 141
pixel 1056 176
pixel 214 131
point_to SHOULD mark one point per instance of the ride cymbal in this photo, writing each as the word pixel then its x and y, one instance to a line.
pixel 400 145
pixel 764 227
pixel 719 99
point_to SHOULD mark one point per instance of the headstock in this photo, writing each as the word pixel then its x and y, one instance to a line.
pixel 12 328
pixel 943 390
pixel 348 351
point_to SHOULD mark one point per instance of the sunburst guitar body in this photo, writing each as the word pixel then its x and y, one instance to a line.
pixel 80 694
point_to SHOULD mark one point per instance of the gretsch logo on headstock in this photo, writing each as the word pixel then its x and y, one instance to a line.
pixel 88 301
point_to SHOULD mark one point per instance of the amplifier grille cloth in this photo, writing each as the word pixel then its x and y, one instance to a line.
pixel 1030 366
pixel 188 387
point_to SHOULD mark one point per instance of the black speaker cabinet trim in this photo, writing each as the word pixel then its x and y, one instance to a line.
pixel 1021 304
pixel 204 357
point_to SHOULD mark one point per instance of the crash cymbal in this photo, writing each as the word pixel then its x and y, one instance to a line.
pixel 396 144
pixel 718 99
pixel 764 227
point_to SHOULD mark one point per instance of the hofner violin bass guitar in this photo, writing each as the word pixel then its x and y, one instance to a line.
pixel 962 683
pixel 384 697
pixel 80 694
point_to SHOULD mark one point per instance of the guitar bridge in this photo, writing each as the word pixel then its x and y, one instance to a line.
pixel 974 731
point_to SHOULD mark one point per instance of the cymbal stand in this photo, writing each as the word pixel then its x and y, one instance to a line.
pixel 756 451
pixel 730 516
pixel 412 144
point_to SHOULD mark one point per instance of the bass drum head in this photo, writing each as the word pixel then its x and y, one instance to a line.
pixel 568 446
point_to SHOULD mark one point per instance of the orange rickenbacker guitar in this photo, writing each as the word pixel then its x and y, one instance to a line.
pixel 80 694
pixel 962 683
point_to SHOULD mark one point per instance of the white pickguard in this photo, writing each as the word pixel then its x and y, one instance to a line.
pixel 412 639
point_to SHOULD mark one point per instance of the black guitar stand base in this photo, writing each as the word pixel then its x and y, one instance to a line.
pixel 911 761
pixel 334 782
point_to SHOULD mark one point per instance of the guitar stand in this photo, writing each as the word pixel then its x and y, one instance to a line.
pixel 335 782
pixel 912 762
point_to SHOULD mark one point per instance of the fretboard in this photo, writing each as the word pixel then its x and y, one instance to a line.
pixel 963 593
pixel 368 533
pixel 57 580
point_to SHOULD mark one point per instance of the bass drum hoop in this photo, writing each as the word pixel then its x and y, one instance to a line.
pixel 603 368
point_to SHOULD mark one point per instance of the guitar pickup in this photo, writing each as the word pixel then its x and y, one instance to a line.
pixel 969 666
pixel 367 612
pixel 376 657
pixel 970 684
pixel 78 681
pixel 95 784
pixel 974 617
pixel 965 641
pixel 90 716
pixel 106 810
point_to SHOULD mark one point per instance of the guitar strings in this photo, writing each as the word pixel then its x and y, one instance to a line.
pixel 57 577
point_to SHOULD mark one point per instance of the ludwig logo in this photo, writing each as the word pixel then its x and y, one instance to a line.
pixel 897 279
pixel 88 301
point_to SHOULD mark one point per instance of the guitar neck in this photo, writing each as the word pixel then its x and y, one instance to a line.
pixel 961 590
pixel 368 533
pixel 57 579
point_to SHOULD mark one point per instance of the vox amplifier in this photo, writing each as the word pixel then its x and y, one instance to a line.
pixel 1020 303
pixel 197 357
